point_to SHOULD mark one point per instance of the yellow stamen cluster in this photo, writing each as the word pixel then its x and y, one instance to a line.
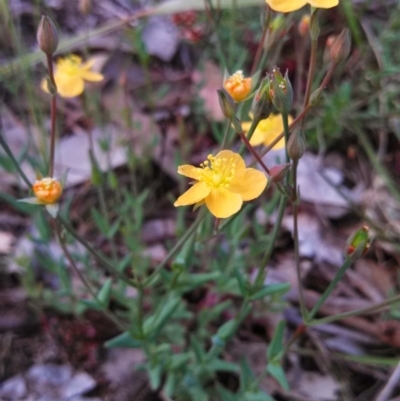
pixel 217 172
pixel 70 65
pixel 47 190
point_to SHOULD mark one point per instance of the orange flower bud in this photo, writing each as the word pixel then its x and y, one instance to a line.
pixel 304 25
pixel 341 47
pixel 48 190
pixel 238 86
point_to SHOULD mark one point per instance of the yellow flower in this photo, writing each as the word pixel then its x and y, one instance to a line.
pixel 238 86
pixel 70 76
pixel 267 131
pixel 223 184
pixel 47 190
pixel 285 6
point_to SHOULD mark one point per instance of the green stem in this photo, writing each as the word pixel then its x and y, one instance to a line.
pixel 190 231
pixel 226 134
pixel 102 259
pixel 347 263
pixel 259 281
pixel 357 312
pixel 260 48
pixel 9 153
pixel 85 282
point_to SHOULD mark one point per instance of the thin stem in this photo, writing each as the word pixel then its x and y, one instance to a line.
pixel 9 153
pixel 347 263
pixel 108 265
pixel 277 226
pixel 190 231
pixel 291 126
pixel 226 133
pixel 53 115
pixel 85 282
pixel 311 67
pixel 357 312
pixel 303 307
pixel 260 47
pixel 253 152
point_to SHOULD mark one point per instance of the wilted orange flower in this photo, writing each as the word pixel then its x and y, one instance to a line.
pixel 70 76
pixel 47 190
pixel 285 6
pixel 238 86
pixel 223 183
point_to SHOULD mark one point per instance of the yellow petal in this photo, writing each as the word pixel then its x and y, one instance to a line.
pixel 285 6
pixel 88 64
pixel 250 185
pixel 237 159
pixel 223 203
pixel 91 76
pixel 323 3
pixel 189 171
pixel 193 195
pixel 246 126
pixel 69 86
pixel 258 136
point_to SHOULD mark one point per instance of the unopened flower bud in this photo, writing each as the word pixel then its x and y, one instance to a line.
pixel 227 104
pixel 316 96
pixel 296 145
pixel 358 243
pixel 262 104
pixel 85 6
pixel 304 25
pixel 341 47
pixel 47 190
pixel 47 36
pixel 281 92
pixel 278 172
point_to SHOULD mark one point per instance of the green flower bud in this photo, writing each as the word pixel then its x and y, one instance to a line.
pixel 227 104
pixel 296 145
pixel 341 47
pixel 281 91
pixel 316 96
pixel 47 36
pixel 358 243
pixel 262 104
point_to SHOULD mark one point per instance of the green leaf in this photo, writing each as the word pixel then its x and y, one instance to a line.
pixel 198 350
pixel 124 340
pixel 122 264
pixel 155 372
pixel 260 396
pixel 91 304
pixel 276 371
pixel 178 360
pixel 113 229
pixel 219 365
pixel 104 293
pixel 53 209
pixel 225 394
pixel 170 384
pixel 270 290
pixel 243 285
pixel 101 221
pixel 276 346
pixel 155 323
pixel 247 377
pixel 228 329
